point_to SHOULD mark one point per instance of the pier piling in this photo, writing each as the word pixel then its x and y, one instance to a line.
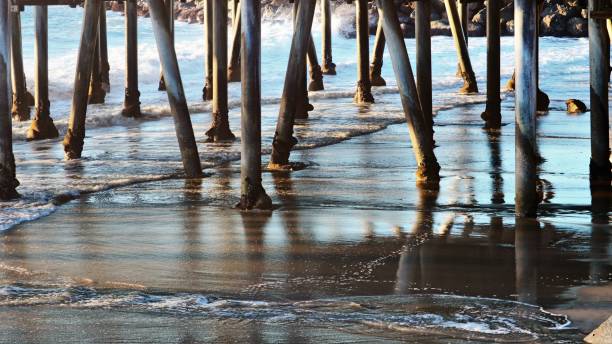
pixel 422 144
pixel 252 193
pixel 104 65
pixel 492 113
pixel 73 141
pixel 233 70
pixel 283 137
pixel 20 109
pixel 170 11
pixel 42 126
pixel 207 91
pixel 219 129
pixel 526 156
pixel 377 57
pixel 176 93
pixel 599 58
pixel 316 75
pixel 328 67
pixel 423 57
pixel 131 102
pixel 302 102
pixel 96 91
pixel 363 94
pixel 463 55
pixel 8 180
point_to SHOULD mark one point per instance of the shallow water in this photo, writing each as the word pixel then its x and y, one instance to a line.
pixel 353 252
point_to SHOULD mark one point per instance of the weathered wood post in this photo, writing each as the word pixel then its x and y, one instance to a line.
pixel 377 57
pixel 363 94
pixel 328 67
pixel 21 108
pixel 316 75
pixel 463 55
pixel 542 98
pixel 73 141
pixel 176 94
pixel 492 113
pixel 303 105
pixel 42 126
pixel 599 56
pixel 283 137
pixel 219 129
pixel 525 21
pixel 252 193
pixel 131 102
pixel 96 91
pixel 207 91
pixel 463 10
pixel 170 11
pixel 422 144
pixel 8 180
pixel 423 56
pixel 104 65
pixel 233 70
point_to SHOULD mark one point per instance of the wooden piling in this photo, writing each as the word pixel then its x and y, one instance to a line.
pixel 252 193
pixel 73 141
pixel 20 109
pixel 422 144
pixel 363 94
pixel 219 129
pixel 169 4
pixel 8 180
pixel 423 56
pixel 463 11
pixel 328 67
pixel 492 113
pixel 316 74
pixel 131 102
pixel 42 126
pixel 463 55
pixel 174 85
pixel 526 157
pixel 377 57
pixel 302 101
pixel 283 137
pixel 104 65
pixel 207 92
pixel 599 59
pixel 97 94
pixel 233 69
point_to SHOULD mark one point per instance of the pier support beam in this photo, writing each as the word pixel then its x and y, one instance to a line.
pixel 377 57
pixel 42 126
pixel 283 137
pixel 207 91
pixel 302 101
pixel 463 55
pixel 599 56
pixel 423 56
pixel 233 70
pixel 422 144
pixel 219 129
pixel 170 11
pixel 176 93
pixel 328 67
pixel 131 102
pixel 96 91
pixel 21 108
pixel 316 75
pixel 363 94
pixel 73 141
pixel 526 156
pixel 252 193
pixel 104 65
pixel 8 180
pixel 492 113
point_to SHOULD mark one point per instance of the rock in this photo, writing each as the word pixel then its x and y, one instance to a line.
pixel 554 24
pixel 602 334
pixel 407 30
pixel 510 26
pixel 476 30
pixel 507 13
pixel 577 27
pixel 584 13
pixel 542 101
pixel 117 6
pixel 575 106
pixel 440 28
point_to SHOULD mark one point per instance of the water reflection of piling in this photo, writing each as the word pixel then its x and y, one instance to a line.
pixel 527 244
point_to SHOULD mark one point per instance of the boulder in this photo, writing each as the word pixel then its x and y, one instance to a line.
pixel 602 334
pixel 440 28
pixel 477 30
pixel 510 27
pixel 577 27
pixel 575 106
pixel 554 24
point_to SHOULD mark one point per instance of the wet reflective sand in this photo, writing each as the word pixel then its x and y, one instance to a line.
pixel 355 252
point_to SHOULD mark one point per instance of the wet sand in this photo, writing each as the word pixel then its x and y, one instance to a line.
pixel 352 228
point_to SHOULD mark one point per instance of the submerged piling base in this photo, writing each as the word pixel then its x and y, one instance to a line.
pixel 219 129
pixel 42 126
